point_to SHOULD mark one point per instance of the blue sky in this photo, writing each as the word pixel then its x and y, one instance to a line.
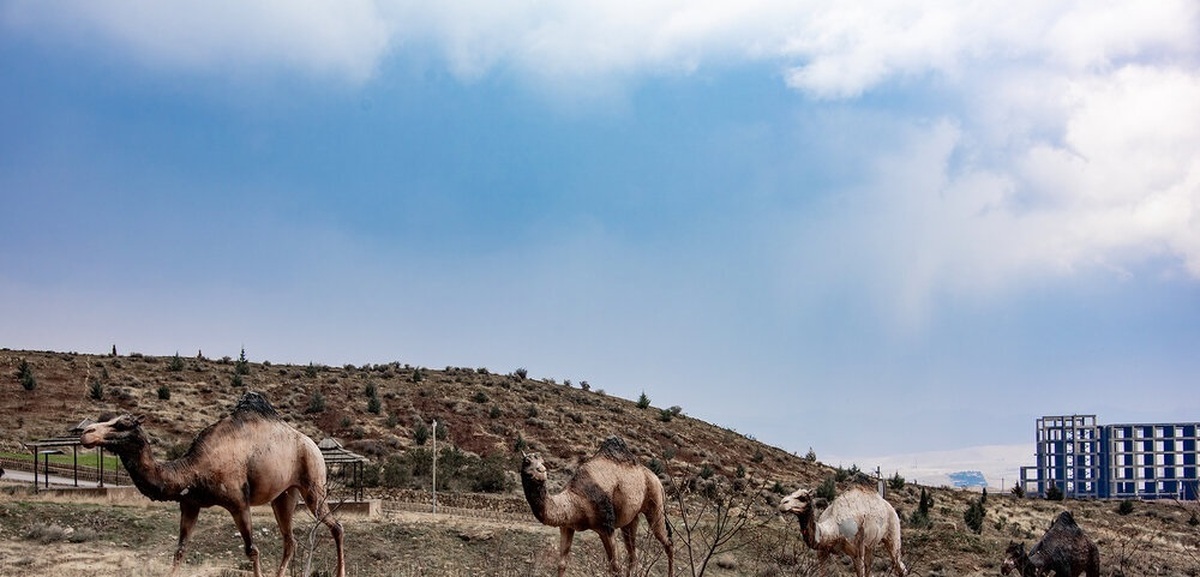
pixel 869 229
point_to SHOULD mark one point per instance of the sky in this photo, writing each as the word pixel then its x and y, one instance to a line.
pixel 887 227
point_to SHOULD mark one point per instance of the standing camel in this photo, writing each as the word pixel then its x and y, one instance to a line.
pixel 607 493
pixel 249 458
pixel 854 524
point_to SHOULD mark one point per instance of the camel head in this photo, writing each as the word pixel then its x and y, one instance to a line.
pixel 1014 555
pixel 115 433
pixel 797 503
pixel 533 467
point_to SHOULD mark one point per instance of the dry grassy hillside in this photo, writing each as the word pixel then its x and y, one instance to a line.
pixel 489 414
pixel 485 413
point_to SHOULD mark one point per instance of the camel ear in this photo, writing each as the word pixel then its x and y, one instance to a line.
pixel 139 419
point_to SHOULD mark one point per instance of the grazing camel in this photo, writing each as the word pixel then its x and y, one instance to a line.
pixel 854 524
pixel 607 493
pixel 1064 549
pixel 249 458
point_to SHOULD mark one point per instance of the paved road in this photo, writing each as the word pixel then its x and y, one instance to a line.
pixel 12 475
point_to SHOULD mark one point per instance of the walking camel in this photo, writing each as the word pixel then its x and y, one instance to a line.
pixel 608 492
pixel 854 524
pixel 250 457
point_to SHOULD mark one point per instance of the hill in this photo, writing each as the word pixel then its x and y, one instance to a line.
pixel 480 411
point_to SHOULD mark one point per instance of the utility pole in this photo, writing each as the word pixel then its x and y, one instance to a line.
pixel 435 465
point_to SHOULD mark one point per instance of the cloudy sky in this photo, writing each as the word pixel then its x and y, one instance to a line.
pixel 879 227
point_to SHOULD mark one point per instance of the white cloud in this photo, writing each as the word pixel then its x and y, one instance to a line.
pixel 1075 143
pixel 338 38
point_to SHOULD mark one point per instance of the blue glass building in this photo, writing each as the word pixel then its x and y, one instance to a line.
pixel 1129 461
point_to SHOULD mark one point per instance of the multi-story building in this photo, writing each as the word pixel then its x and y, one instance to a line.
pixel 1132 461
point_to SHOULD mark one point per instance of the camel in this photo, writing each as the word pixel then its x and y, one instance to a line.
pixel 1064 550
pixel 250 457
pixel 854 524
pixel 607 493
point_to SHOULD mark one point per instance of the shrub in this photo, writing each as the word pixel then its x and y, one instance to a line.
pixel 96 390
pixel 643 401
pixel 740 472
pixel 242 367
pixel 655 466
pixel 810 456
pixel 316 403
pixel 237 380
pixel 896 482
pixel 974 515
pixel 310 371
pixel 495 412
pixel 392 421
pixel 920 517
pixel 665 415
pixel 520 445
pixel 418 375
pixel 487 475
pixel 421 434
pixel 585 386
pixel 777 488
pixel 1054 493
pixel 1125 508
pixel 480 397
pixel 25 375
pixel 176 364
pixel 706 472
pixel 758 456
pixel 827 489
pixel 521 373
pixel 374 405
pixel 1018 490
pixel 164 393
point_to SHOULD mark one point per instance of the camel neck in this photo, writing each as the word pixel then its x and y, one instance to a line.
pixel 808 529
pixel 549 509
pixel 148 475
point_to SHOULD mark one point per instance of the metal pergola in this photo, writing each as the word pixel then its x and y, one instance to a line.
pixel 56 446
pixel 335 454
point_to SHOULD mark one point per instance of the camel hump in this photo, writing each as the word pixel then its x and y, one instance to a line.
pixel 614 449
pixel 253 403
pixel 1065 519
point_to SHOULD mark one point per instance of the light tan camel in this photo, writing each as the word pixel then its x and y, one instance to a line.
pixel 608 492
pixel 249 458
pixel 854 524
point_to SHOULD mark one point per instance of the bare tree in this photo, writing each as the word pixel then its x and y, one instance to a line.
pixel 714 515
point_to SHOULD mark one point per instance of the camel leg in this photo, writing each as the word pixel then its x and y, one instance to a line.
pixel 314 499
pixel 242 520
pixel 565 536
pixel 610 551
pixel 859 562
pixel 284 506
pixel 868 561
pixel 658 526
pixel 897 565
pixel 629 535
pixel 187 519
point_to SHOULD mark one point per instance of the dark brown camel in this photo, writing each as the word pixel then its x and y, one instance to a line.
pixel 1063 550
pixel 608 492
pixel 249 458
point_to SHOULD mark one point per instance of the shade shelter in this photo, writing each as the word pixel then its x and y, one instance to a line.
pixel 335 454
